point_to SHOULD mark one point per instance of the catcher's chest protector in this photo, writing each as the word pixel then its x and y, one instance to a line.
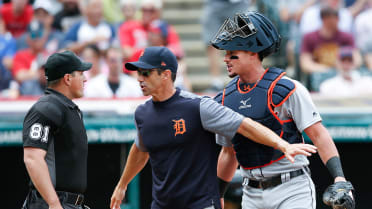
pixel 258 103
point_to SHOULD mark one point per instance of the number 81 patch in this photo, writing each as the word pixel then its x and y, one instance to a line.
pixel 37 131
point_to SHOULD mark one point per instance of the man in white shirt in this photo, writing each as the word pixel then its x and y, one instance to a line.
pixel 348 82
pixel 116 83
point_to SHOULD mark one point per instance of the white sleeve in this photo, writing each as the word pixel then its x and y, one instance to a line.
pixel 301 108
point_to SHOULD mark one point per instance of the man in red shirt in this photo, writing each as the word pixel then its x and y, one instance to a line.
pixel 16 15
pixel 28 62
pixel 133 34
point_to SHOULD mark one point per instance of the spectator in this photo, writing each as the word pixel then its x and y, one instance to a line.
pixel 363 31
pixel 116 83
pixel 348 81
pixel 91 30
pixel 16 15
pixel 27 63
pixel 158 36
pixel 43 12
pixel 7 51
pixel 111 11
pixel 57 6
pixel 311 19
pixel 133 34
pixel 92 55
pixel 319 48
pixel 215 12
pixel 128 9
pixel 290 13
pixel 68 16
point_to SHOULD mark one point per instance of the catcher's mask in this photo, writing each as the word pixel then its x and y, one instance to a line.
pixel 249 31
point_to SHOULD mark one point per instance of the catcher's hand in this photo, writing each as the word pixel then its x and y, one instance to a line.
pixel 340 195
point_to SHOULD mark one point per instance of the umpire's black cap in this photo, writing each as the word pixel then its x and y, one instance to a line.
pixel 59 64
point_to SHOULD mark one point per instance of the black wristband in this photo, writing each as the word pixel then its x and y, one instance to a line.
pixel 223 185
pixel 334 167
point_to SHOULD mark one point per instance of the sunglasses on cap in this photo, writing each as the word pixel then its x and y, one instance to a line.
pixel 146 73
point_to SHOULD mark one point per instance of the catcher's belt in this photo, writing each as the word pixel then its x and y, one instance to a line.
pixel 274 181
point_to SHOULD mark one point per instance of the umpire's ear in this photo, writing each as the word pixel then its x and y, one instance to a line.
pixel 67 79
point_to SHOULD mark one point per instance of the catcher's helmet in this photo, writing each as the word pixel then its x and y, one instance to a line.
pixel 249 31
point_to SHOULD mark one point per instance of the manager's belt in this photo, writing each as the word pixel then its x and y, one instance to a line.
pixel 274 181
pixel 67 197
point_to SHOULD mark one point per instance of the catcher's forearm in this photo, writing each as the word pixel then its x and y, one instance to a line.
pixel 334 167
pixel 261 134
pixel 226 167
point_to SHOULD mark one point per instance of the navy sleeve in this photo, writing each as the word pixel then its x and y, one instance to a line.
pixel 138 121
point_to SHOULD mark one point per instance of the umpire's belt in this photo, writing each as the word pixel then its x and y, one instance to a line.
pixel 274 181
pixel 67 197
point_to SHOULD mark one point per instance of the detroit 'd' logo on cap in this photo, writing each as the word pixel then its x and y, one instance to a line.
pixel 163 63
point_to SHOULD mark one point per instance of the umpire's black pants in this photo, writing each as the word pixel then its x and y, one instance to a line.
pixel 35 201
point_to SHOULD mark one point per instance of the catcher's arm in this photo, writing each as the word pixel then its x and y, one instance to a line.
pixel 339 194
pixel 327 149
pixel 226 167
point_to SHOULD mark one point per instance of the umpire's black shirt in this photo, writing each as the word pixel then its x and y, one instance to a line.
pixel 54 123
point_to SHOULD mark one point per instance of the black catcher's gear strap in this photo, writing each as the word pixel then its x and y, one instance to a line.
pixel 223 185
pixel 334 167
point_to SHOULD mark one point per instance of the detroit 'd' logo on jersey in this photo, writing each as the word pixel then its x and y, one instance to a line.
pixel 179 126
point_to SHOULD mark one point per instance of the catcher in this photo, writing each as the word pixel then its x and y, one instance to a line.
pixel 281 104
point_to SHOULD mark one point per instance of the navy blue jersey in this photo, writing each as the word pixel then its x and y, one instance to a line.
pixel 179 135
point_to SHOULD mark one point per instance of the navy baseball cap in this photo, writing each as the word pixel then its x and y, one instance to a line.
pixel 59 64
pixel 155 57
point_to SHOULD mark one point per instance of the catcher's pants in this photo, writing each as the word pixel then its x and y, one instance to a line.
pixel 35 201
pixel 297 193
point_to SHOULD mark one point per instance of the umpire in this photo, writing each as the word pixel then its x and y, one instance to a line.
pixel 54 138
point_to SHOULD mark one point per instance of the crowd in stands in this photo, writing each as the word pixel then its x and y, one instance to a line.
pixel 314 34
pixel 322 39
pixel 320 33
pixel 105 33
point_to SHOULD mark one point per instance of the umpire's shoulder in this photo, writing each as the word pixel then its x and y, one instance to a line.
pixel 49 109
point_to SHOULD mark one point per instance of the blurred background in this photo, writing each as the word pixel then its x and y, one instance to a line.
pixel 326 45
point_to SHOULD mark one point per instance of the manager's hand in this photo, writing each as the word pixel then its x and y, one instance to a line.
pixel 117 197
pixel 291 150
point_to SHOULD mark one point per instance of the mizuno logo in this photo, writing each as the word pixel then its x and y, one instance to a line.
pixel 244 104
